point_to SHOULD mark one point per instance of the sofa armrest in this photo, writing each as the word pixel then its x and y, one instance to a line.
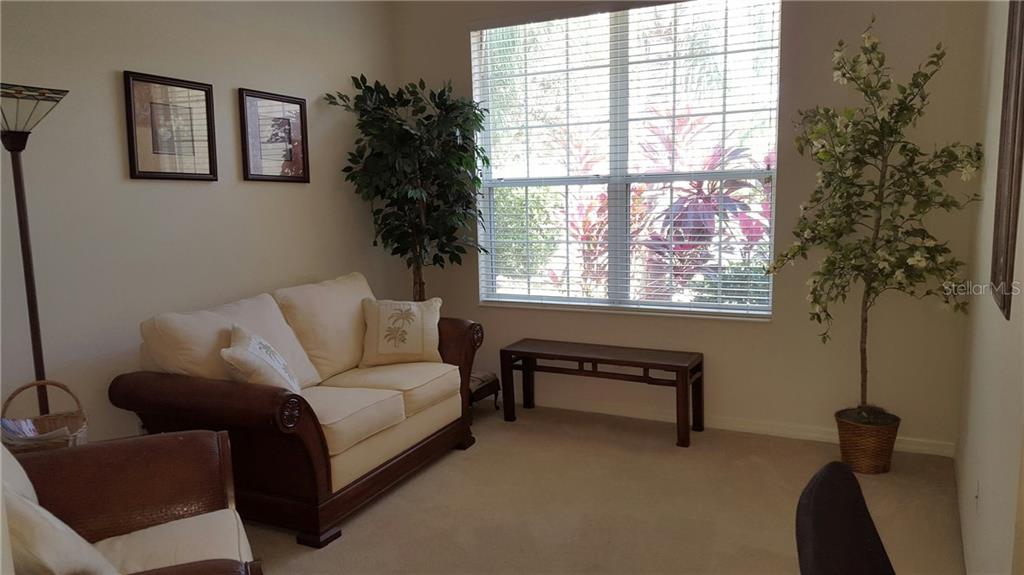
pixel 222 403
pixel 459 340
pixel 266 424
pixel 116 487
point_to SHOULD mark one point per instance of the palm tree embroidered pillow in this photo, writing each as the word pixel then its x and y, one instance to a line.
pixel 400 331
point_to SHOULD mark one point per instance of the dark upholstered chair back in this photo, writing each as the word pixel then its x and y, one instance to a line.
pixel 834 531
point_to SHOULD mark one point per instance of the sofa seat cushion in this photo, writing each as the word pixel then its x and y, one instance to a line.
pixel 328 319
pixel 190 343
pixel 216 535
pixel 422 383
pixel 350 415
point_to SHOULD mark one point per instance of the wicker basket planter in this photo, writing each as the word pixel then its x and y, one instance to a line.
pixel 865 447
pixel 74 421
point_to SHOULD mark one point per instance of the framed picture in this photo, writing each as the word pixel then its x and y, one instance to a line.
pixel 273 137
pixel 1011 163
pixel 170 128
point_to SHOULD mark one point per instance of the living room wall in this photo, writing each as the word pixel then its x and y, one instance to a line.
pixel 988 458
pixel 110 251
pixel 773 376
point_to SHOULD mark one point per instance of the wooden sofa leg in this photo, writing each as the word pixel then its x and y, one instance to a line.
pixel 319 540
pixel 466 442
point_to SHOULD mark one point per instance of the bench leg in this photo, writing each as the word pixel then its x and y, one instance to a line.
pixel 697 387
pixel 529 365
pixel 683 408
pixel 508 386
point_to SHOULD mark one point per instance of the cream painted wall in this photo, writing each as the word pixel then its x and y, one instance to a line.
pixel 111 251
pixel 989 451
pixel 771 377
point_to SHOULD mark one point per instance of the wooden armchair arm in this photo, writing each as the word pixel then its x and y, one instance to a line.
pixel 116 487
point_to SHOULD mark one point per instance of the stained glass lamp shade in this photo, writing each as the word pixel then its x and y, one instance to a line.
pixel 23 108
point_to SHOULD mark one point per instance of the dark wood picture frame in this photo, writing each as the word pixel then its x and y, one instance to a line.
pixel 1011 163
pixel 247 171
pixel 130 111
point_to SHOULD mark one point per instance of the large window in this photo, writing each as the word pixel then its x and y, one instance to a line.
pixel 632 157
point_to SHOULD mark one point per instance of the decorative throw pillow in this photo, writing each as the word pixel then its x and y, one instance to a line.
pixel 43 544
pixel 400 331
pixel 251 359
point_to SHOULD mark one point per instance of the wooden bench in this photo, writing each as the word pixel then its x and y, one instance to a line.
pixel 688 368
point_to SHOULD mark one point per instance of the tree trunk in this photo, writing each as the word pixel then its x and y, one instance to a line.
pixel 864 305
pixel 419 288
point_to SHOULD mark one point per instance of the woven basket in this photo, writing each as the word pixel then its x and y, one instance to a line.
pixel 866 448
pixel 74 420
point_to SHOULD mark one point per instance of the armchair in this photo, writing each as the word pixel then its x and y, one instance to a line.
pixel 126 495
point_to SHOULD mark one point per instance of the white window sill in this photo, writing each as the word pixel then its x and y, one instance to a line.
pixel 758 317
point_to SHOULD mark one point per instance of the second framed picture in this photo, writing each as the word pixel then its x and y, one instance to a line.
pixel 273 137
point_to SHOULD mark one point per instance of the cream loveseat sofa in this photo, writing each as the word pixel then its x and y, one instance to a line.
pixel 305 460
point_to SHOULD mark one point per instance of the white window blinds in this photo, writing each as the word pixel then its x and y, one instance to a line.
pixel 632 157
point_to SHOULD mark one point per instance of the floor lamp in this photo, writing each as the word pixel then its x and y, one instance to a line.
pixel 23 108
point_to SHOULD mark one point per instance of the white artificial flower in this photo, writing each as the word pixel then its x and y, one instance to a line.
pixel 803 207
pixel 869 40
pixel 967 172
pixel 809 297
pixel 917 259
pixel 837 55
pixel 838 77
pixel 929 242
pixel 807 234
pixel 900 276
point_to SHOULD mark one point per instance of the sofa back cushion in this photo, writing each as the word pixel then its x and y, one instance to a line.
pixel 190 343
pixel 328 319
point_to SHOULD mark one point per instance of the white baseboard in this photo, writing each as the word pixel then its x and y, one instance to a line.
pixel 761 427
pixel 828 435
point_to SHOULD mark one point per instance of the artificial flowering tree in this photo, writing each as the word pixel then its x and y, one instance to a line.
pixel 875 187
pixel 416 161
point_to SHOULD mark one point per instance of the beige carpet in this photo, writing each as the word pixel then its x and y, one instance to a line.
pixel 571 492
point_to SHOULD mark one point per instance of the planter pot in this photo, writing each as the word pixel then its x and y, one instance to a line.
pixel 866 446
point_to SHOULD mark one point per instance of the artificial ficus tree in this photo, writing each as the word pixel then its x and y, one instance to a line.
pixel 416 161
pixel 874 190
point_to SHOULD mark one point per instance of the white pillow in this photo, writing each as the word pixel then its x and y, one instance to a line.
pixel 15 477
pixel 400 331
pixel 42 544
pixel 250 359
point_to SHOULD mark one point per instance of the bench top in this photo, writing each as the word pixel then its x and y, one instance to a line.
pixel 611 354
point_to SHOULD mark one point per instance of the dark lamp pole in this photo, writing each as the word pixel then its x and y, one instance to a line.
pixel 23 108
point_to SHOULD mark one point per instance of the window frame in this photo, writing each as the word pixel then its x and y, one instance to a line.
pixel 618 182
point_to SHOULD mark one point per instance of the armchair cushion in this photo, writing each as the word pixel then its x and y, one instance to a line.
pixel 214 535
pixel 400 331
pixel 328 319
pixel 190 343
pixel 422 384
pixel 42 543
pixel 349 416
